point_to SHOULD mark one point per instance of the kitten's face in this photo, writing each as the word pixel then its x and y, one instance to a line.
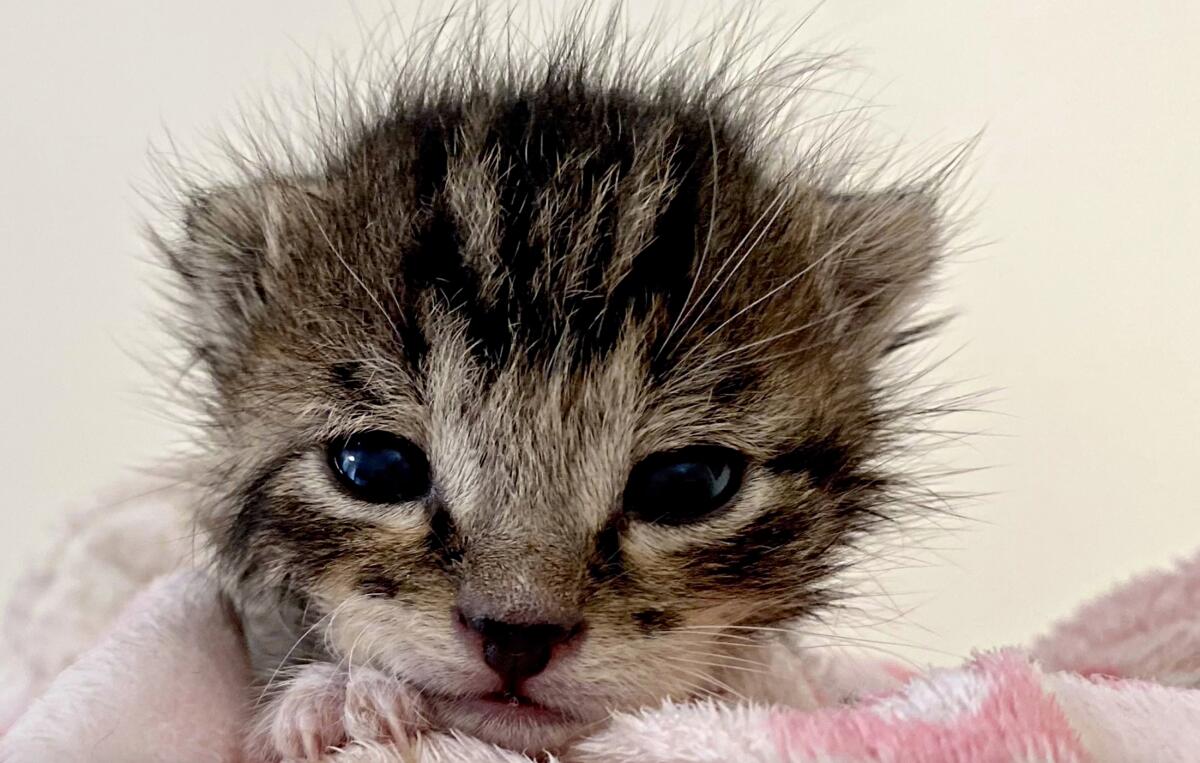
pixel 535 298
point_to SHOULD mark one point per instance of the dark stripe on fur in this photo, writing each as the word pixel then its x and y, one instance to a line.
pixel 763 554
pixel 530 136
pixel 307 540
pixel 828 462
pixel 607 563
pixel 443 541
pixel 652 621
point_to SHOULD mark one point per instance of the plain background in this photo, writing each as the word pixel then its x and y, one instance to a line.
pixel 1081 310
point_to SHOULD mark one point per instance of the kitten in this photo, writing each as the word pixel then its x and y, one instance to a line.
pixel 550 388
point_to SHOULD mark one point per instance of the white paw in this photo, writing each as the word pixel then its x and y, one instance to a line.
pixel 378 708
pixel 323 707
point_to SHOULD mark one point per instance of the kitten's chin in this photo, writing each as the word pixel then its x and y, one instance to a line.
pixel 516 724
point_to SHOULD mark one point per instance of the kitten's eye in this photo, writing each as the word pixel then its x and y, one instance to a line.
pixel 380 467
pixel 681 486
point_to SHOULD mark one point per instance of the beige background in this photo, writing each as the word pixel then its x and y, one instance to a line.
pixel 1082 310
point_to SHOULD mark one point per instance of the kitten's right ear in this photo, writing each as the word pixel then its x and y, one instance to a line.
pixel 231 250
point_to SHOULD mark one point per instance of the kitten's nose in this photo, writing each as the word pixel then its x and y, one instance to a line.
pixel 517 651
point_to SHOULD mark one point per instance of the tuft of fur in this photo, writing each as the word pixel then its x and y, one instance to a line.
pixel 541 266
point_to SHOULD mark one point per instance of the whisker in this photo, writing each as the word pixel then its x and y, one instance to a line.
pixel 705 678
pixel 712 224
pixel 772 292
pixel 775 208
pixel 836 314
pixel 760 670
pixel 295 645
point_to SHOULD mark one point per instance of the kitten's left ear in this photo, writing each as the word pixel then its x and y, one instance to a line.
pixel 879 250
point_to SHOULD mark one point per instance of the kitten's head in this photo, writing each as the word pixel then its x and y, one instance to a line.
pixel 546 388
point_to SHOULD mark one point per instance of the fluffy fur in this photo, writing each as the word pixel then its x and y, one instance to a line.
pixel 542 266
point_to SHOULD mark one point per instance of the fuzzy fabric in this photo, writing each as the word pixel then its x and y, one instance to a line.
pixel 100 664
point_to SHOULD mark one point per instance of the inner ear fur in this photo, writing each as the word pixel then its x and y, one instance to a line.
pixel 879 251
pixel 233 245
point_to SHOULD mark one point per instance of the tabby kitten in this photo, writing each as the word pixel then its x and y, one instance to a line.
pixel 538 388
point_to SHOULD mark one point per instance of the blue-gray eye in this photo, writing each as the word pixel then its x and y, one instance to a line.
pixel 681 486
pixel 380 467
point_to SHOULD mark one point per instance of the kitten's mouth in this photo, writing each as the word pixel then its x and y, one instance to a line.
pixel 506 706
pixel 512 720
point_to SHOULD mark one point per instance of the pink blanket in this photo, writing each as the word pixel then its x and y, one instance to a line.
pixel 165 680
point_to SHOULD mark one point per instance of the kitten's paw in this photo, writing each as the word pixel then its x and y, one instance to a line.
pixel 322 707
pixel 380 709
pixel 304 719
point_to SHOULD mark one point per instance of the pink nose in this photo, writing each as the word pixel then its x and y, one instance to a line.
pixel 517 651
